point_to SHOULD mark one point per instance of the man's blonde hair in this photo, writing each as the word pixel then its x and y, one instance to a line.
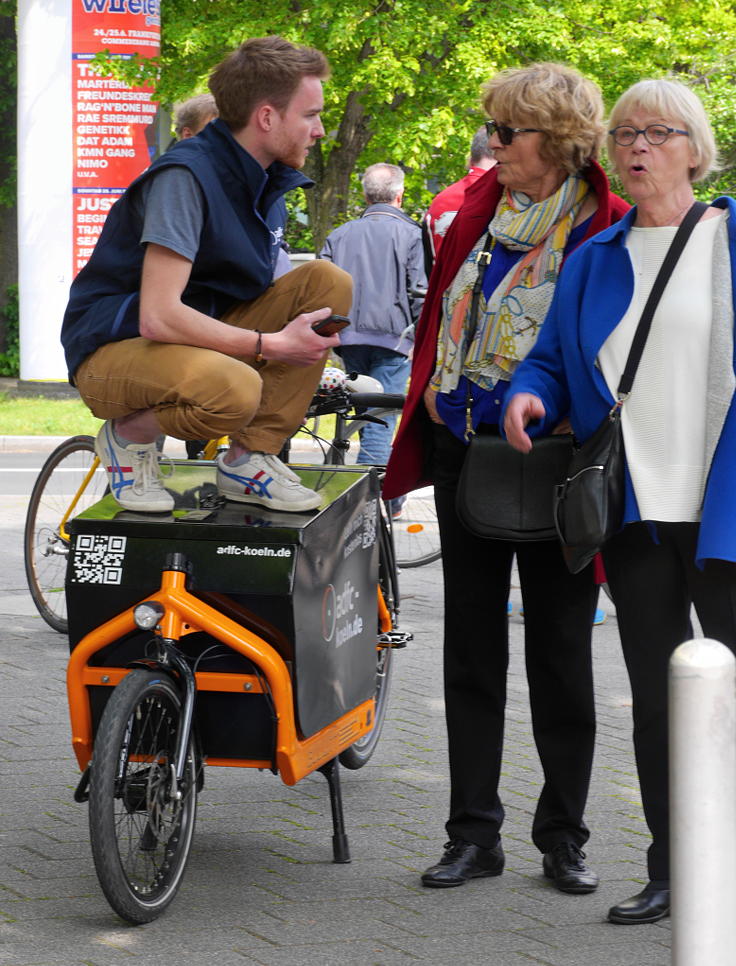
pixel 194 113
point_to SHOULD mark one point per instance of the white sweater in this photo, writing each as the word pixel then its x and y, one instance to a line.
pixel 664 419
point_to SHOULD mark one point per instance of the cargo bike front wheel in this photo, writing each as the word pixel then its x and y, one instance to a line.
pixel 141 819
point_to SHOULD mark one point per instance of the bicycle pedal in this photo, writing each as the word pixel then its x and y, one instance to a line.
pixel 395 639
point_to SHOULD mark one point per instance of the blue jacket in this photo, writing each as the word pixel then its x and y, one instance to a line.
pixel 592 295
pixel 243 227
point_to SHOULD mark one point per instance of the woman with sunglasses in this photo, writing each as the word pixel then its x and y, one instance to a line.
pixel 678 542
pixel 545 195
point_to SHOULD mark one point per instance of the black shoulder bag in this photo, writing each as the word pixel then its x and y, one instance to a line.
pixel 503 494
pixel 589 503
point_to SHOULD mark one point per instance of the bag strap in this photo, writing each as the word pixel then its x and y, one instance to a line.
pixel 482 260
pixel 663 276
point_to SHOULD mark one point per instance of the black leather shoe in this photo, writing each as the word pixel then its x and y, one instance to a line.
pixel 648 906
pixel 564 863
pixel 462 861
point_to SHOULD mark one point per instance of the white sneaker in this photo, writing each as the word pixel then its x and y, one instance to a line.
pixel 265 480
pixel 133 473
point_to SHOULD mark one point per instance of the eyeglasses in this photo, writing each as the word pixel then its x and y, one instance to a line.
pixel 625 135
pixel 506 133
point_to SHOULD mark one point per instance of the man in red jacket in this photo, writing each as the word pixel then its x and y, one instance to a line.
pixel 447 203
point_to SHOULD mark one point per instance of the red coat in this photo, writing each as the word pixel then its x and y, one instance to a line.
pixel 406 470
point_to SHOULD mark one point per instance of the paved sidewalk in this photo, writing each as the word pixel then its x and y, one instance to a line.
pixel 260 887
pixel 174 447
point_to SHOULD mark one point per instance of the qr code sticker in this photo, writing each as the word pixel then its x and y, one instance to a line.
pixel 98 559
pixel 370 515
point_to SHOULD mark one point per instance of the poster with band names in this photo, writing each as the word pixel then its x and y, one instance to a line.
pixel 113 123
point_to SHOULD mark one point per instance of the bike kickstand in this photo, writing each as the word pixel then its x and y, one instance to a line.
pixel 340 847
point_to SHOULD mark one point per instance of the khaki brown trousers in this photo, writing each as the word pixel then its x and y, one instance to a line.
pixel 202 394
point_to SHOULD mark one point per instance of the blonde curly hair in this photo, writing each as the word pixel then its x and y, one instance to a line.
pixel 557 99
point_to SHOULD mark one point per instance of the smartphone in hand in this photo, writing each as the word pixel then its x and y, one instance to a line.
pixel 330 325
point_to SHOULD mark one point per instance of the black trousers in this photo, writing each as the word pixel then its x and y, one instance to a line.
pixel 558 615
pixel 654 585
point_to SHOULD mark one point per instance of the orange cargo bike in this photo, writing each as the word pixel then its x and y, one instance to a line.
pixel 221 635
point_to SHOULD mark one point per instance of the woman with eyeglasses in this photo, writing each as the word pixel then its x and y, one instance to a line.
pixel 545 196
pixel 677 545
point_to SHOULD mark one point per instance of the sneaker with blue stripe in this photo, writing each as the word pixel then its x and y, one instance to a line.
pixel 133 473
pixel 265 480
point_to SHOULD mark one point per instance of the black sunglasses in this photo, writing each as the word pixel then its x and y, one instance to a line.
pixel 506 133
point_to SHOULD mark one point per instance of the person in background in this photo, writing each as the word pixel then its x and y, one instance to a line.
pixel 176 326
pixel 677 545
pixel 382 251
pixel 446 204
pixel 192 115
pixel 544 197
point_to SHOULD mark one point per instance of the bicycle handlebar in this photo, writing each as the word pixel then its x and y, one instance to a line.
pixel 376 400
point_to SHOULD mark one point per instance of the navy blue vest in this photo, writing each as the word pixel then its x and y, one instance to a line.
pixel 243 225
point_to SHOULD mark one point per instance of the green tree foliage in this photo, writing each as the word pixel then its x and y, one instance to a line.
pixel 10 358
pixel 8 99
pixel 407 74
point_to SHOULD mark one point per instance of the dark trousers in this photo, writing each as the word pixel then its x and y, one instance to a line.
pixel 654 585
pixel 558 615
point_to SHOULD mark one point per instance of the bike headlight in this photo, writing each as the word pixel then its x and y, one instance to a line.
pixel 148 614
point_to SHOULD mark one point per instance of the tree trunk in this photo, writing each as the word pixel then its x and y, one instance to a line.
pixel 327 202
pixel 8 207
pixel 8 262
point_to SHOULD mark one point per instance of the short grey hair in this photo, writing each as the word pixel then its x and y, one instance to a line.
pixel 673 101
pixel 194 113
pixel 479 146
pixel 382 182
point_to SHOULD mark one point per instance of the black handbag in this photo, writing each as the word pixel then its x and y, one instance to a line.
pixel 503 494
pixel 506 495
pixel 589 503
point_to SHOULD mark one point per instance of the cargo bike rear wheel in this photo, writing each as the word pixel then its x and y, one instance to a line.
pixel 141 820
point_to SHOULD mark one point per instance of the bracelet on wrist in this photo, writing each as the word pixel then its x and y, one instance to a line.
pixel 259 359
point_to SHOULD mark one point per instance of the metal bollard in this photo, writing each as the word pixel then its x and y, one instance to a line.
pixel 702 723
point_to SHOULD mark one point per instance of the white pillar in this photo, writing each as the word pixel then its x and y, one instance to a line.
pixel 44 178
pixel 702 720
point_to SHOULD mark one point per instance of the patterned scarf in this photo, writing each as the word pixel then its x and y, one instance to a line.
pixel 510 318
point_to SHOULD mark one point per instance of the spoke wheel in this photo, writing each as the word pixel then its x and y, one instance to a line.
pixel 141 824
pixel 416 531
pixel 45 547
pixel 360 751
